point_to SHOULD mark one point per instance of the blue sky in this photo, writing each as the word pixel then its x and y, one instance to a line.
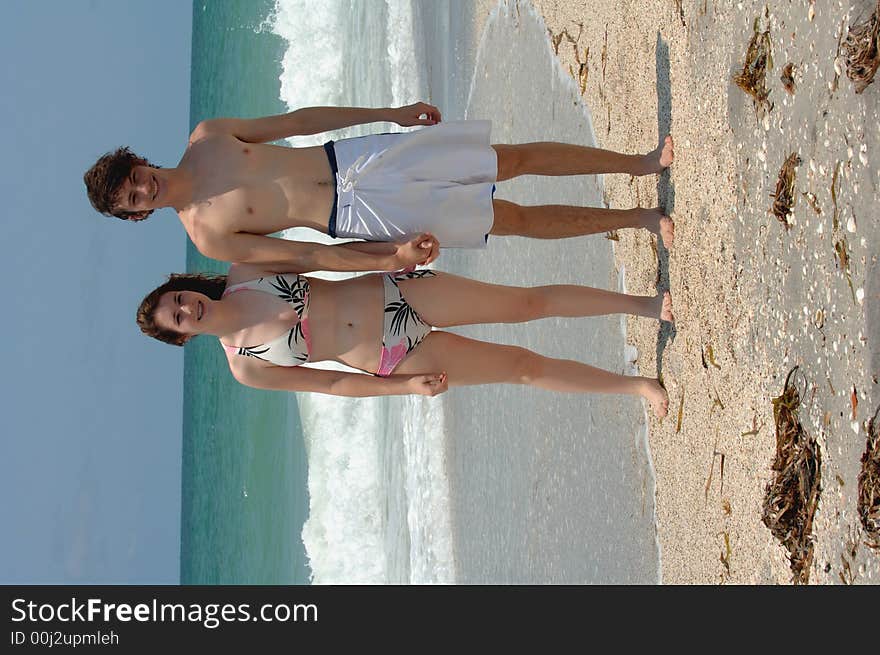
pixel 90 463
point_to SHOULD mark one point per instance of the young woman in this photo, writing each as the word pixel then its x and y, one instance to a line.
pixel 269 322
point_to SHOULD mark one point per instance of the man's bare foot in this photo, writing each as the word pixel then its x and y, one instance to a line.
pixel 656 396
pixel 667 152
pixel 655 221
pixel 660 158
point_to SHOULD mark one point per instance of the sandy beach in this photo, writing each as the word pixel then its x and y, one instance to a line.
pixel 752 297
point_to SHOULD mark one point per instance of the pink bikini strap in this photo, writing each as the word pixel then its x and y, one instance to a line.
pixel 234 289
pixel 238 287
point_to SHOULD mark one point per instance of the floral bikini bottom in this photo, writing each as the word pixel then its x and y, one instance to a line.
pixel 404 328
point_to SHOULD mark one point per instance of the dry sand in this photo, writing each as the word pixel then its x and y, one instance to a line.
pixel 763 298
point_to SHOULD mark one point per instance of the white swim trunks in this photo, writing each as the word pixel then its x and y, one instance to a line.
pixel 439 179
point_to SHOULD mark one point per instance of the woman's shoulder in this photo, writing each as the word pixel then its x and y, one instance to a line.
pixel 244 369
pixel 244 273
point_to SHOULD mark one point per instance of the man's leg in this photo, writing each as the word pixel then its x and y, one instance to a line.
pixel 550 158
pixel 562 221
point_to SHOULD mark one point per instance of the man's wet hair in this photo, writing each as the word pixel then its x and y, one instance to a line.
pixel 105 178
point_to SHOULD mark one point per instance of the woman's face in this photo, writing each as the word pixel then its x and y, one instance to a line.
pixel 184 312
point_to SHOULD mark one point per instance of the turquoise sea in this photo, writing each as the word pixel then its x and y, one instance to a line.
pixel 493 484
pixel 244 461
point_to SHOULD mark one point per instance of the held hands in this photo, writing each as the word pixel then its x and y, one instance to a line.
pixel 410 115
pixel 428 385
pixel 419 250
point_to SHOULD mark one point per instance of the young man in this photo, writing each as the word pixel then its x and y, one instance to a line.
pixel 405 193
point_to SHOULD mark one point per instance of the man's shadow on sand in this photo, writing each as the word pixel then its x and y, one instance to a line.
pixel 665 190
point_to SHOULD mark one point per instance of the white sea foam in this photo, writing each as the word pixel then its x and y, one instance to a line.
pixel 312 58
pixel 346 53
pixel 406 79
pixel 344 535
pixel 379 509
pixel 379 499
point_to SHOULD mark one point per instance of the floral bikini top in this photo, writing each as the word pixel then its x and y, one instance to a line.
pixel 292 347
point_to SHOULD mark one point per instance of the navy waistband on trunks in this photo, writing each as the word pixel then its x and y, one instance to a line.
pixel 331 157
pixel 486 238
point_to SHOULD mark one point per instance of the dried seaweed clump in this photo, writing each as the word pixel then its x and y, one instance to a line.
pixel 869 486
pixel 787 78
pixel 862 48
pixel 791 498
pixel 785 197
pixel 753 78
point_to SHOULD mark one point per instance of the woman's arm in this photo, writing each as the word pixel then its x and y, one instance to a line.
pixel 423 243
pixel 257 374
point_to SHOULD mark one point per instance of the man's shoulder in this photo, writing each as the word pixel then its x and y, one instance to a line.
pixel 216 130
pixel 205 130
pixel 209 141
pixel 202 225
pixel 202 216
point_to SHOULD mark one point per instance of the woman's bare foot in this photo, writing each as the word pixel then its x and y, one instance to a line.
pixel 656 396
pixel 666 308
pixel 660 158
pixel 663 307
pixel 655 221
pixel 667 231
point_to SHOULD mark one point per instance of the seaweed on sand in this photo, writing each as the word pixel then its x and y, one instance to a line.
pixel 869 485
pixel 784 198
pixel 814 204
pixel 753 78
pixel 841 253
pixel 791 498
pixel 835 218
pixel 787 78
pixel 862 48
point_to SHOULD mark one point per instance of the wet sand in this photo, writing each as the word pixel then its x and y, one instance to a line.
pixel 544 487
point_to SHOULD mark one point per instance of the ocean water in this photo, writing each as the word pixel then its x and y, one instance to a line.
pixel 487 484
pixel 244 461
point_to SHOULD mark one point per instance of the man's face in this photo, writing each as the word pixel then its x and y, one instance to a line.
pixel 141 192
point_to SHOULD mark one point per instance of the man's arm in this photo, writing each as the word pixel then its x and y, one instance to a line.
pixel 427 246
pixel 336 383
pixel 287 256
pixel 312 120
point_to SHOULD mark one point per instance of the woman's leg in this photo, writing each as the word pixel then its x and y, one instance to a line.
pixel 551 158
pixel 469 362
pixel 446 300
pixel 563 221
